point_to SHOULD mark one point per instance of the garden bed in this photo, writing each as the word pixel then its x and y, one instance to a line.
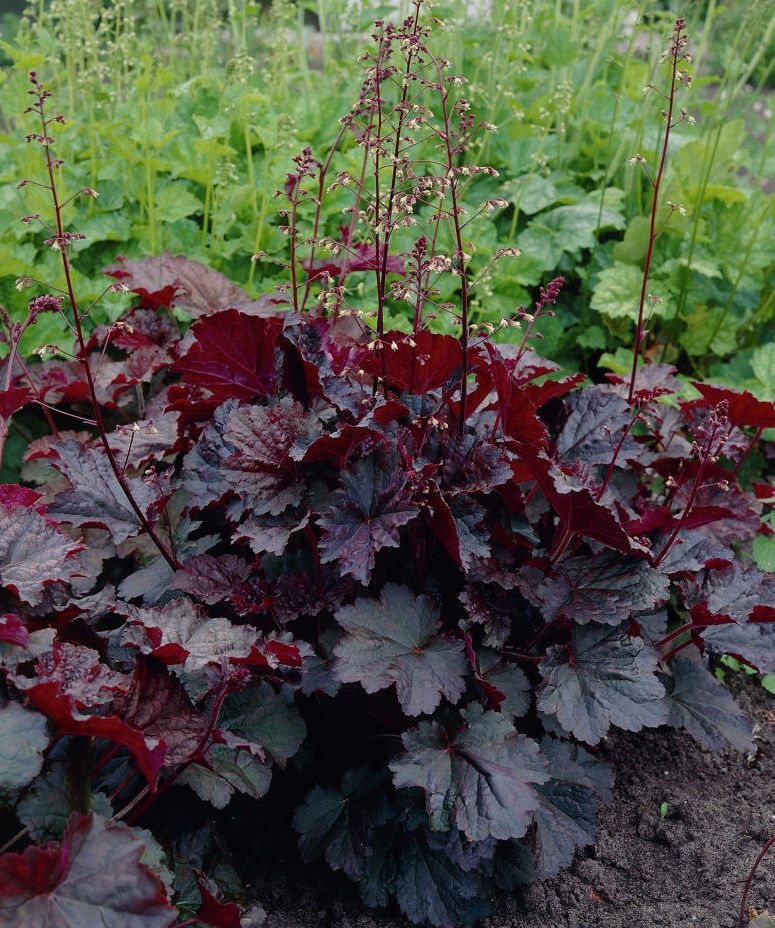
pixel 686 869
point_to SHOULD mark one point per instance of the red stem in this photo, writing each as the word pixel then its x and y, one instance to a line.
pixel 748 450
pixel 84 359
pixel 13 351
pixel 316 225
pixel 617 452
pixel 540 635
pixel 460 253
pixel 751 875
pixel 685 514
pixel 652 233
pixel 396 149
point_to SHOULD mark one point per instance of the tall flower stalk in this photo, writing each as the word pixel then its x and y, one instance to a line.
pixel 675 55
pixel 61 241
pixel 414 127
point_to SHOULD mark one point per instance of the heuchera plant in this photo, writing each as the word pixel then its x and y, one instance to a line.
pixel 407 581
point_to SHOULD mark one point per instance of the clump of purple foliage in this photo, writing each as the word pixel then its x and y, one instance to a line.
pixel 406 581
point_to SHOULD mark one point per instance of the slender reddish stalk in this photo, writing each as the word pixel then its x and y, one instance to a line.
pixel 396 149
pixel 684 515
pixel 749 879
pixel 318 207
pixel 617 452
pixel 757 435
pixel 639 332
pixel 82 350
pixel 461 263
pixel 14 349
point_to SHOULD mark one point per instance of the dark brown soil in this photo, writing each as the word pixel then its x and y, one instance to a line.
pixel 681 871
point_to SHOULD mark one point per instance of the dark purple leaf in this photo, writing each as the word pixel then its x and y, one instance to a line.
pixel 395 640
pixel 146 440
pixel 742 407
pixel 337 823
pixel 457 523
pixel 596 420
pixel 603 588
pixel 33 553
pixel 417 368
pixel 95 496
pixel 262 468
pixel 506 682
pixel 366 515
pixel 473 466
pixel 567 818
pixel 703 706
pixel 271 534
pixel 753 642
pixel 650 379
pixel 573 498
pixel 482 780
pixel 211 579
pixel 430 887
pixel 79 675
pixel 492 607
pixel 158 706
pixel 603 678
pixel 729 593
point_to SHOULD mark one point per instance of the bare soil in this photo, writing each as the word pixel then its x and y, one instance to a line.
pixel 683 870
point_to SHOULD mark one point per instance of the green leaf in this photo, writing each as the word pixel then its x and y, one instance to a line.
pixel 176 201
pixel 632 249
pixel 106 227
pixel 763 364
pixel 712 323
pixel 592 337
pixel 481 781
pixel 768 682
pixel 764 552
pixel 619 361
pixel 531 193
pixel 23 739
pixel 576 225
pixel 617 292
pixel 724 193
pixel 394 640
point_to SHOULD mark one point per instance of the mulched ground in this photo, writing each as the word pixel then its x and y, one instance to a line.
pixel 644 872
